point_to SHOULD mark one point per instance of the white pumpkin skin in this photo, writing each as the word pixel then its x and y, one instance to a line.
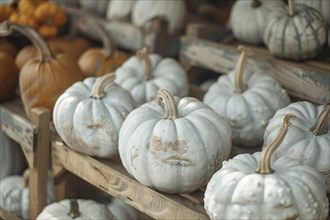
pixel 166 73
pixel 91 125
pixel 12 160
pixel 322 6
pixel 98 7
pixel 297 37
pixel 121 210
pixel 14 196
pixel 248 113
pixel 118 9
pixel 293 191
pixel 248 22
pixel 173 10
pixel 300 143
pixel 174 155
pixel 88 209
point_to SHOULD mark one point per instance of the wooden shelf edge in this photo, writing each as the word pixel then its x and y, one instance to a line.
pixel 113 179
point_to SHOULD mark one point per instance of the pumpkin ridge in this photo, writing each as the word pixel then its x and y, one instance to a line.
pixel 287 21
pixel 309 23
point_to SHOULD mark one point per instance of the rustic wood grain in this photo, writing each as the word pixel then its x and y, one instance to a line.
pixel 111 177
pixel 303 81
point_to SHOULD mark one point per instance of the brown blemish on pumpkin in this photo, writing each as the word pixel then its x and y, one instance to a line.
pixel 177 160
pixel 94 126
pixel 157 144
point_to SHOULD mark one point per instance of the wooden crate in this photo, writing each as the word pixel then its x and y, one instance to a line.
pixel 111 177
pixel 34 137
pixel 308 80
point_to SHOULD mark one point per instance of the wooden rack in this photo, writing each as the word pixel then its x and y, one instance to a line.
pixel 309 80
pixel 34 137
pixel 111 177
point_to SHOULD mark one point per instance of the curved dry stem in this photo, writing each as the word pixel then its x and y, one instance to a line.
pixel 100 84
pixel 170 107
pixel 74 209
pixel 144 55
pixel 292 7
pixel 321 125
pixel 239 69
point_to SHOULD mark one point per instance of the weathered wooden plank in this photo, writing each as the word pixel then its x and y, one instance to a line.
pixel 5 215
pixel 302 81
pixel 112 178
pixel 17 127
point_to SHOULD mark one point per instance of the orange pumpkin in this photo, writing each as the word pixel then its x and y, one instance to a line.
pixel 6 11
pixel 8 76
pixel 45 77
pixel 99 61
pixel 73 46
pixel 7 47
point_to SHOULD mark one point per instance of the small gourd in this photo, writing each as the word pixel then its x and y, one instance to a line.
pixel 145 73
pixel 175 13
pixel 14 194
pixel 247 100
pixel 259 187
pixel 248 18
pixel 44 78
pixel 98 61
pixel 12 161
pixel 298 32
pixel 75 209
pixel 89 115
pixel 174 145
pixel 308 140
pixel 119 9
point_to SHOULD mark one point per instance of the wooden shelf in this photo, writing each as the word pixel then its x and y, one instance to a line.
pixel 309 80
pixel 33 136
pixel 111 177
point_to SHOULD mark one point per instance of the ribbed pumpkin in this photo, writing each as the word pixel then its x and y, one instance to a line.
pixel 14 194
pixel 174 11
pixel 298 32
pixel 43 79
pixel 259 187
pixel 308 139
pixel 174 145
pixel 145 73
pixel 89 115
pixel 247 100
pixel 76 209
pixel 248 18
pixel 99 61
pixel 12 160
pixel 120 9
pixel 323 6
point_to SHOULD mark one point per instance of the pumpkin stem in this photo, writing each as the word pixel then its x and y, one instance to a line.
pixel 170 107
pixel 292 7
pixel 256 3
pixel 239 69
pixel 144 55
pixel 108 45
pixel 100 84
pixel 26 175
pixel 74 208
pixel 321 125
pixel 7 28
pixel 264 166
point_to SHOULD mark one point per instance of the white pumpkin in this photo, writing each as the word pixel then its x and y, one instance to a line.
pixel 323 6
pixel 248 18
pixel 97 8
pixel 174 11
pixel 259 187
pixel 119 9
pixel 12 160
pixel 308 139
pixel 14 194
pixel 174 145
pixel 298 32
pixel 121 210
pixel 144 74
pixel 89 114
pixel 247 100
pixel 77 209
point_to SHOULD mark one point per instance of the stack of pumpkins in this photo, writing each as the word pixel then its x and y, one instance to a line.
pixel 297 31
